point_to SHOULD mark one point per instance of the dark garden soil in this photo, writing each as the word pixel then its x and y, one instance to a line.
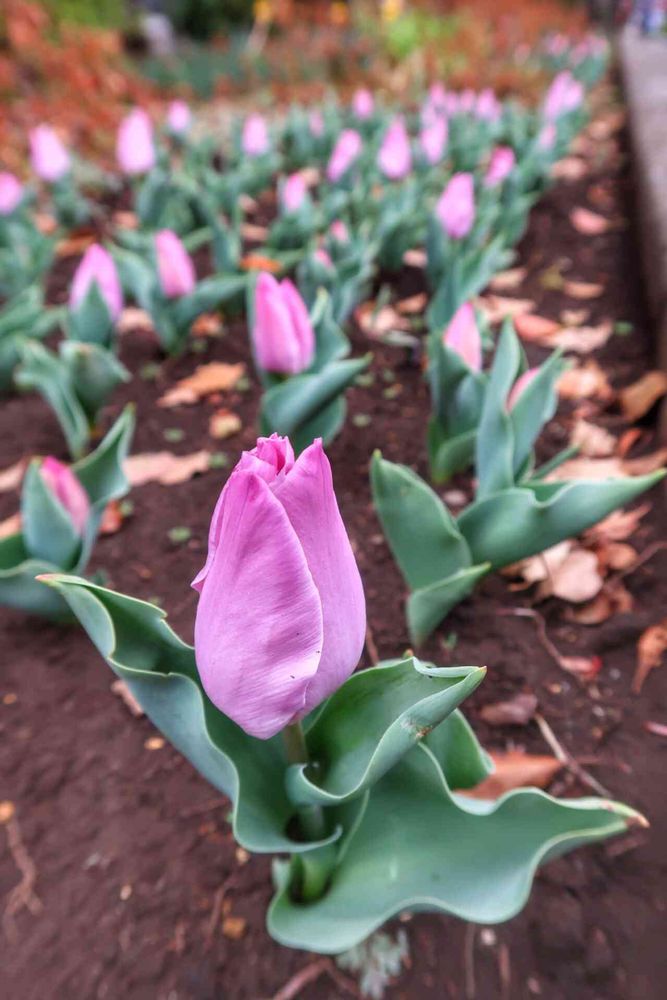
pixel 142 893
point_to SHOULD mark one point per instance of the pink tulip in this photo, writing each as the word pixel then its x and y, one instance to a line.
pixel 11 193
pixel 455 209
pixel 501 165
pixel 175 268
pixel 97 267
pixel 255 136
pixel 281 618
pixel 452 103
pixel 345 152
pixel 322 257
pixel 293 193
pixel 339 231
pixel 564 95
pixel 463 337
pixel 467 101
pixel 363 104
pixel 395 156
pixel 521 383
pixel 179 117
pixel 316 123
pixel 437 96
pixel 135 148
pixel 487 107
pixel 50 160
pixel 282 333
pixel 63 484
pixel 547 137
pixel 433 139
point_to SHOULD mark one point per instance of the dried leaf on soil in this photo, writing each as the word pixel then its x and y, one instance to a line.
pixel 11 525
pixel 583 289
pixel 415 258
pixel 112 518
pixel 535 328
pixel 415 304
pixel 224 424
pixel 593 441
pixel 638 398
pixel 589 223
pixel 377 323
pixel 12 476
pixel 570 168
pixel 506 281
pixel 580 339
pixel 515 769
pixel 617 526
pixel 650 650
pixel 164 467
pixel 207 325
pixel 72 246
pixel 656 728
pixel 217 376
pixel 249 231
pixel 258 262
pixel 609 468
pixel 133 318
pixel 585 668
pixel 496 308
pixel 566 570
pixel 121 689
pixel 515 711
pixel 613 599
pixel 585 381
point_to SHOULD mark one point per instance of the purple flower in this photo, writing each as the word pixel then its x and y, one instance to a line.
pixel 345 152
pixel 281 618
pixel 97 266
pixel 176 271
pixel 463 337
pixel 520 385
pixel 564 95
pixel 67 490
pixel 394 156
pixel 293 193
pixel 255 136
pixel 135 148
pixel 501 165
pixel 455 208
pixel 433 139
pixel 363 104
pixel 11 192
pixel 282 333
pixel 179 117
pixel 50 160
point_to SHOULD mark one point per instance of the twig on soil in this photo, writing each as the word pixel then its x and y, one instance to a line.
pixel 541 629
pixel 202 807
pixel 23 894
pixel 567 759
pixel 370 645
pixel 642 558
pixel 309 974
pixel 504 971
pixel 470 986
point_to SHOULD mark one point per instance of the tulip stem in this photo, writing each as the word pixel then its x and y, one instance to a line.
pixel 311 818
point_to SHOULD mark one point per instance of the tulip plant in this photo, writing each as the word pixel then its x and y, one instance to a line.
pixel 356 780
pixel 518 510
pixel 52 164
pixel 61 511
pixel 299 359
pixel 25 252
pixel 23 317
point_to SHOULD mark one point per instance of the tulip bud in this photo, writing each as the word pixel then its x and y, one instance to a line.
pixel 322 257
pixel 467 101
pixel 547 137
pixel 282 333
pixel 395 157
pixel 97 266
pixel 175 268
pixel 255 136
pixel 501 165
pixel 463 337
pixel 293 193
pixel 316 123
pixel 455 208
pixel 363 104
pixel 487 107
pixel 135 149
pixel 50 160
pixel 437 96
pixel 564 95
pixel 521 383
pixel 345 152
pixel 179 117
pixel 281 618
pixel 63 484
pixel 433 139
pixel 11 192
pixel 339 231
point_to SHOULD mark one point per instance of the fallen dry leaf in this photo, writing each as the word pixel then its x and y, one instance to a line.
pixel 591 440
pixel 234 927
pixel 72 246
pixel 627 440
pixel 121 689
pixel 164 467
pixel 11 525
pixel 515 769
pixel 415 258
pixel 565 570
pixel 638 398
pixel 585 668
pixel 535 328
pixel 650 649
pixel 646 463
pixel 496 308
pixel 609 468
pixel 112 518
pixel 574 317
pixel 570 168
pixel 133 318
pixel 515 711
pixel 249 231
pixel 126 220
pixel 377 323
pixel 45 223
pixel 12 476
pixel 656 728
pixel 580 339
pixel 589 223
pixel 217 376
pixel 583 289
pixel 616 555
pixel 617 526
pixel 258 262
pixel 585 382
pixel 224 424
pixel 613 599
pixel 207 325
pixel 415 304
pixel 505 281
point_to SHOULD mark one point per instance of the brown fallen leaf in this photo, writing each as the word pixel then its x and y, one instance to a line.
pixel 217 376
pixel 656 728
pixel 574 317
pixel 112 518
pixel 650 650
pixel 506 281
pixel 617 526
pixel 613 599
pixel 570 168
pixel 72 246
pixel 580 339
pixel 257 234
pixel 616 556
pixel 566 570
pixel 133 318
pixel 258 262
pixel 415 304
pixel 415 258
pixel 627 440
pixel 591 440
pixel 164 467
pixel 126 220
pixel 537 329
pixel 645 463
pixel 589 223
pixel 515 711
pixel 609 468
pixel 585 668
pixel 121 689
pixel 585 381
pixel 376 323
pixel 583 289
pixel 496 308
pixel 11 525
pixel 638 398
pixel 207 325
pixel 45 223
pixel 234 927
pixel 515 769
pixel 12 476
pixel 224 424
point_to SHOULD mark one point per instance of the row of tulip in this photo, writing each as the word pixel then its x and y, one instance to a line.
pixel 359 777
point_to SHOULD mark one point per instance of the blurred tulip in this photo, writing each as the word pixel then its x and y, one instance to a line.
pixel 501 165
pixel 563 96
pixel 255 136
pixel 339 231
pixel 455 208
pixel 316 123
pixel 97 266
pixel 433 140
pixel 363 104
pixel 179 117
pixel 293 193
pixel 546 139
pixel 395 156
pixel 63 484
pixel 322 257
pixel 282 333
pixel 135 148
pixel 345 152
pixel 520 385
pixel 175 268
pixel 487 107
pixel 11 192
pixel 50 160
pixel 281 618
pixel 463 337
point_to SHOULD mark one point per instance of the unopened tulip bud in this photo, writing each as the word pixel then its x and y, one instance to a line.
pixel 339 231
pixel 293 193
pixel 322 257
pixel 282 333
pixel 520 385
pixel 255 136
pixel 135 148
pixel 363 104
pixel 345 152
pixel 176 271
pixel 487 107
pixel 501 165
pixel 97 267
pixel 455 208
pixel 179 117
pixel 50 160
pixel 563 96
pixel 433 139
pixel 395 156
pixel 281 617
pixel 316 123
pixel 63 484
pixel 546 139
pixel 463 337
pixel 11 193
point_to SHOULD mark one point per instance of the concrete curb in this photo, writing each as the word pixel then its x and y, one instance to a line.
pixel 644 73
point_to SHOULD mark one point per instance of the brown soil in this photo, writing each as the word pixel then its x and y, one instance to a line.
pixel 136 869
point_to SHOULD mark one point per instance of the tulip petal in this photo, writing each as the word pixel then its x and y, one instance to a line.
pixel 258 632
pixel 308 498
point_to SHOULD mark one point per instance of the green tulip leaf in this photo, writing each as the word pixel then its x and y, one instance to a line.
pixel 370 722
pixel 494 460
pixel 448 455
pixel 536 404
pixel 18 587
pixel 427 606
pixel 49 374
